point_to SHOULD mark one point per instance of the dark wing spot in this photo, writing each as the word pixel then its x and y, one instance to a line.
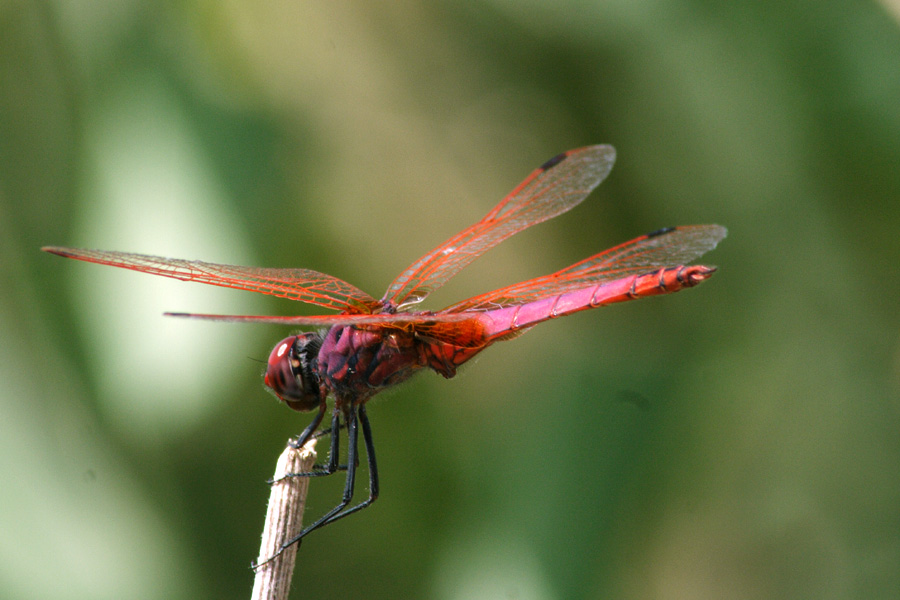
pixel 554 161
pixel 662 231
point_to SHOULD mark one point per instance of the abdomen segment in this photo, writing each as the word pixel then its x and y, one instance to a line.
pixel 508 320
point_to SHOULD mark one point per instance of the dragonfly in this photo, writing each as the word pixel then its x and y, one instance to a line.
pixel 371 344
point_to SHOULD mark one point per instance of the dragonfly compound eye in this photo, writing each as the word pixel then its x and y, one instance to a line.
pixel 291 371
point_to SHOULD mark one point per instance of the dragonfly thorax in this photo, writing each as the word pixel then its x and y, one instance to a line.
pixel 292 373
pixel 356 363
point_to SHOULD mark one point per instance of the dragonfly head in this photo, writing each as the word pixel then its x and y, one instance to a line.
pixel 291 373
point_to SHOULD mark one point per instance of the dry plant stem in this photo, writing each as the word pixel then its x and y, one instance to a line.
pixel 284 520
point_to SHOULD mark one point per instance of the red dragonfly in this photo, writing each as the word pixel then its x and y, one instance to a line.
pixel 373 344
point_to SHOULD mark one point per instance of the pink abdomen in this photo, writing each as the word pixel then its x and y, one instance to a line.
pixel 510 319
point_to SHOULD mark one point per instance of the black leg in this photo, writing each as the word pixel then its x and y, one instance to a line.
pixel 373 469
pixel 352 460
pixel 327 431
pixel 304 437
pixel 335 449
pixel 334 453
pixel 354 417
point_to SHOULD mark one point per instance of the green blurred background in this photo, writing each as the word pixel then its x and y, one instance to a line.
pixel 740 440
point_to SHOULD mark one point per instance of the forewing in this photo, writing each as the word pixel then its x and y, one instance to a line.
pixel 558 185
pixel 664 248
pixel 303 285
pixel 459 329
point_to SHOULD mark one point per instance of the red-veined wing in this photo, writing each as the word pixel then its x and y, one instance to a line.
pixel 558 185
pixel 303 285
pixel 459 329
pixel 664 248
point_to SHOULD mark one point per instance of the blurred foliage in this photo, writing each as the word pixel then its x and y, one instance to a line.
pixel 735 441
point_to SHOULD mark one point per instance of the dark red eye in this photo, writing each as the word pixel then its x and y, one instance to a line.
pixel 290 373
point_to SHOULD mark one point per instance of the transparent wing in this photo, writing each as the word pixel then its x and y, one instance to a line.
pixel 399 320
pixel 668 247
pixel 303 285
pixel 459 329
pixel 557 186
